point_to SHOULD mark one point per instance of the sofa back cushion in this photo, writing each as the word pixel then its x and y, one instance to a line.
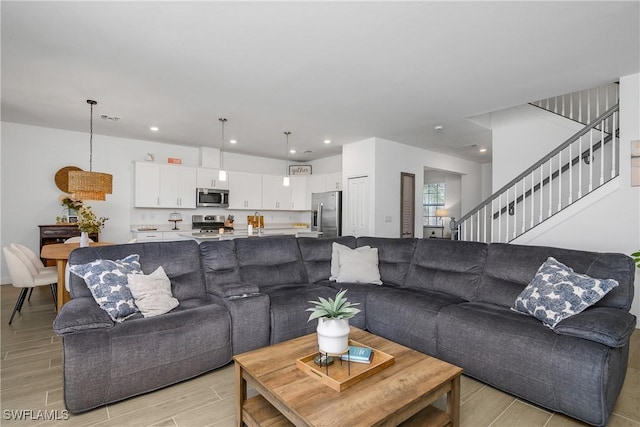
pixel 219 263
pixel 180 261
pixel 394 257
pixel 273 260
pixel 316 255
pixel 447 266
pixel 510 268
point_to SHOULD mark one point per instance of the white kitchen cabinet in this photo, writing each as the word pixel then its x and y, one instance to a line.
pixel 333 182
pixel 275 196
pixel 210 178
pixel 146 185
pixel 177 187
pixel 299 199
pixel 245 190
pixel 160 236
pixel 164 186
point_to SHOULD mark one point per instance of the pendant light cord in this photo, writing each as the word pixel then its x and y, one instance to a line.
pixel 91 103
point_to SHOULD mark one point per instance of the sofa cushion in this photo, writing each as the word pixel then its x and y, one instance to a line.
pixel 407 316
pixel 510 268
pixel 273 260
pixel 557 292
pixel 394 257
pixel 219 263
pixel 316 255
pixel 358 265
pixel 107 280
pixel 179 259
pixel 152 293
pixel 516 353
pixel 288 304
pixel 447 266
pixel 609 326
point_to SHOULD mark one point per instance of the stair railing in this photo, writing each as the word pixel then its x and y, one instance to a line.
pixel 584 162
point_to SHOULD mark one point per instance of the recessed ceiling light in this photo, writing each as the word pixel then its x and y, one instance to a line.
pixel 154 129
pixel 232 141
pixel 438 127
pixel 327 141
pixel 482 150
pixel 292 151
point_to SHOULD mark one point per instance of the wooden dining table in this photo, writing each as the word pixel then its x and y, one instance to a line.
pixel 60 253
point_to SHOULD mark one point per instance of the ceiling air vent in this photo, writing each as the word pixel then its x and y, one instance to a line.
pixel 110 118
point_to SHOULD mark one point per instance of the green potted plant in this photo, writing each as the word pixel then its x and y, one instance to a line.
pixel 88 223
pixel 333 322
pixel 636 258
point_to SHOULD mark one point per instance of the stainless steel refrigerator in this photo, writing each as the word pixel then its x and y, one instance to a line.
pixel 326 213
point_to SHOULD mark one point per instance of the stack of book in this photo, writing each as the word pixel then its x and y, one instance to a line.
pixel 358 354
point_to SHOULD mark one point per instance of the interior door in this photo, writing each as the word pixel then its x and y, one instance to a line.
pixel 358 206
pixel 407 205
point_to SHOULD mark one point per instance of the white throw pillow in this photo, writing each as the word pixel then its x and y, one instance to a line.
pixel 359 266
pixel 152 293
pixel 336 250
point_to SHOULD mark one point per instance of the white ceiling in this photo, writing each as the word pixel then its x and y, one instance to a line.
pixel 343 71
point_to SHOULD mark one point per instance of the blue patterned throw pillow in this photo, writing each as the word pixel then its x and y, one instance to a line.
pixel 107 281
pixel 557 292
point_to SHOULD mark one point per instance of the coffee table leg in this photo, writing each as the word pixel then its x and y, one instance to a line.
pixel 241 393
pixel 453 402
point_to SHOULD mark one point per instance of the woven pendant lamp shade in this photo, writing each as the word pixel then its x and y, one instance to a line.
pixel 85 185
pixel 90 185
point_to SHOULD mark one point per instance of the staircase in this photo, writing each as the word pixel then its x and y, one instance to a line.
pixel 576 168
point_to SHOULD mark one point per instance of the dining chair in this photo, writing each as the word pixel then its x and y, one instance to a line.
pixel 22 251
pixel 22 277
pixel 76 239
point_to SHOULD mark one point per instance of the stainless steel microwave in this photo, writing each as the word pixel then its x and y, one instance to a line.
pixel 208 197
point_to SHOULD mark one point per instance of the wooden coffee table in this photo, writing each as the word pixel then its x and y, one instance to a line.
pixel 401 393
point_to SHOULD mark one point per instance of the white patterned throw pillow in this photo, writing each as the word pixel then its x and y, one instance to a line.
pixel 557 292
pixel 107 281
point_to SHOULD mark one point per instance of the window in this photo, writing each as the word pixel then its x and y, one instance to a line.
pixel 433 196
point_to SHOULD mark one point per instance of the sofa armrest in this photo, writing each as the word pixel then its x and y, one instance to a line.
pixel 234 290
pixel 609 326
pixel 81 314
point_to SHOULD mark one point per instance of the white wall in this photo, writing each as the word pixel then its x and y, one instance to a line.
pixel 32 155
pixel 608 222
pixel 521 136
pixel 384 160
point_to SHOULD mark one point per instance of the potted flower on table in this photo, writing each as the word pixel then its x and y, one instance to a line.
pixel 89 223
pixel 333 322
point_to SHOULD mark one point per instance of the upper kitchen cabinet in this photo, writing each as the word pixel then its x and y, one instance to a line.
pixel 324 183
pixel 177 187
pixel 275 196
pixel 333 181
pixel 245 190
pixel 299 199
pixel 209 178
pixel 164 186
pixel 146 185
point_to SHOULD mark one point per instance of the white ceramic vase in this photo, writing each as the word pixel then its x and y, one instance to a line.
pixel 84 239
pixel 333 335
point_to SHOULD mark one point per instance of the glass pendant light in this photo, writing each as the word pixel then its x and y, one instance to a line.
pixel 222 174
pixel 285 180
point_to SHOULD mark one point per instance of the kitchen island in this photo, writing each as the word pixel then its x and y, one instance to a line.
pixel 241 233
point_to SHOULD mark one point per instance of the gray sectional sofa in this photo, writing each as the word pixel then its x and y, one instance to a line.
pixel 448 299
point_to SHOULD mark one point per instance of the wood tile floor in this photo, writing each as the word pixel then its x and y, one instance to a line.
pixel 31 379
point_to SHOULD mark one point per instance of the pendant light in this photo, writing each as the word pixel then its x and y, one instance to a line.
pixel 222 174
pixel 90 185
pixel 285 180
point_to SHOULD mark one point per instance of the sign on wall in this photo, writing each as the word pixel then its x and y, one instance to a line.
pixel 299 169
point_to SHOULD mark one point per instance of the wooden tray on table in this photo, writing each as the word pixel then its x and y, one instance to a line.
pixel 343 374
